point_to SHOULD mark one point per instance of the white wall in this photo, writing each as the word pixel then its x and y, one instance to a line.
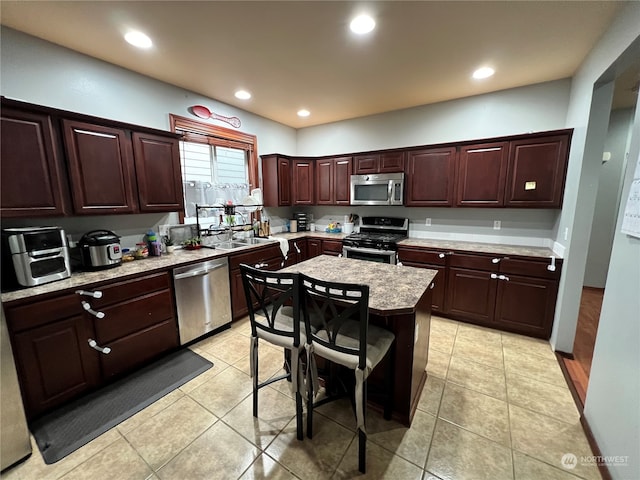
pixel 612 406
pixel 520 110
pixel 40 72
pixel 509 112
pixel 608 198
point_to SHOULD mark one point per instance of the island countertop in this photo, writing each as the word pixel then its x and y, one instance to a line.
pixel 392 289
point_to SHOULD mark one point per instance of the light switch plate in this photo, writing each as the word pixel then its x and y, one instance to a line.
pixel 497 224
pixel 427 222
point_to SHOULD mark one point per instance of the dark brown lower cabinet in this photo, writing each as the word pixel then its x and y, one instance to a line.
pixel 526 305
pixel 269 258
pixel 433 260
pixel 314 247
pixel 52 338
pixel 471 295
pixel 332 247
pixel 54 363
pixel 498 298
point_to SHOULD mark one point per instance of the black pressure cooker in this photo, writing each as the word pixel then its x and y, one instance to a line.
pixel 100 249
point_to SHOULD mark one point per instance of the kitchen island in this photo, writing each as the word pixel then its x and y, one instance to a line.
pixel 399 300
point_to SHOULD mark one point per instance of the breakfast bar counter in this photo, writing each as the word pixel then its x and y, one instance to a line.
pixel 399 300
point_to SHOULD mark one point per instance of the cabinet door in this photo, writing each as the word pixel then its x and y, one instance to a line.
pixel 238 301
pixel 31 174
pixel 342 181
pixel 55 363
pixel 332 247
pixel 471 295
pixel 439 283
pixel 536 173
pixel 325 182
pixel 303 181
pixel 366 164
pixel 392 162
pixel 157 161
pixel 526 305
pixel 314 247
pixel 430 181
pixel 276 181
pixel 100 168
pixel 482 171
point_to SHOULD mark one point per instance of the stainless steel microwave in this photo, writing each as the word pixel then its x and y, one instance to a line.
pixel 380 189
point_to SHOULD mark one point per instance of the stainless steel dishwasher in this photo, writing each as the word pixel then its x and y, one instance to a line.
pixel 203 298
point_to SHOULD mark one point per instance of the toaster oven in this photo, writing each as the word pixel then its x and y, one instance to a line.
pixel 33 256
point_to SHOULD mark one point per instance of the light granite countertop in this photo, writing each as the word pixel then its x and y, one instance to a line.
pixel 181 257
pixel 392 288
pixel 126 269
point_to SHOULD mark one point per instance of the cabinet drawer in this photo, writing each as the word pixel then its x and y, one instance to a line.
pixel 131 316
pixel 138 348
pixel 40 313
pixel 120 291
pixel 477 262
pixel 431 257
pixel 332 246
pixel 530 268
pixel 253 257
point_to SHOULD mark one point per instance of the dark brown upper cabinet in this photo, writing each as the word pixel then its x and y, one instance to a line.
pixel 276 180
pixel 536 172
pixel 482 170
pixel 430 178
pixel 386 162
pixel 333 176
pixel 32 171
pixel 100 168
pixel 158 174
pixel 303 182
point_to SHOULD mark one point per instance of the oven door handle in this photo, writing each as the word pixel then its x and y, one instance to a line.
pixel 375 251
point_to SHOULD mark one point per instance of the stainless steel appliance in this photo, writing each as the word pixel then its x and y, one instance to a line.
pixel 377 239
pixel 14 434
pixel 203 298
pixel 303 220
pixel 33 256
pixel 381 189
pixel 100 249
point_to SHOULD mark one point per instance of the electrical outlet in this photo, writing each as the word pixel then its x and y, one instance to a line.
pixel 427 222
pixel 566 233
pixel 497 224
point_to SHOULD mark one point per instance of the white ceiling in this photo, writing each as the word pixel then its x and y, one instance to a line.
pixel 293 55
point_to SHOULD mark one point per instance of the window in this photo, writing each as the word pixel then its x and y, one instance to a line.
pixel 218 164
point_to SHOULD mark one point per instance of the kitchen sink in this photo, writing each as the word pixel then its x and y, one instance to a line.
pixel 230 245
pixel 256 240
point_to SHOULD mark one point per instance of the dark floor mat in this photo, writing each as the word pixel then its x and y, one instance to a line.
pixel 69 427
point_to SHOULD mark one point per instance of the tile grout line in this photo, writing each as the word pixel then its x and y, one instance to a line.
pixel 506 391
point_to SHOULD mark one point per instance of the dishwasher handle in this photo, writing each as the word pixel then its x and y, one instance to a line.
pixel 198 273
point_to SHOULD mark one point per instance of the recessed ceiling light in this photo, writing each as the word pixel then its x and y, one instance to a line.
pixel 138 39
pixel 362 24
pixel 304 113
pixel 243 95
pixel 484 72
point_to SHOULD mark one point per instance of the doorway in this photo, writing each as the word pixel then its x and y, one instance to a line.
pixel 614 162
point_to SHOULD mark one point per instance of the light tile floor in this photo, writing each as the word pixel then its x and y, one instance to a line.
pixel 495 406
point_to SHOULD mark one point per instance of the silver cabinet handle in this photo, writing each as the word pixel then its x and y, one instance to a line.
pixel 87 307
pixel 96 294
pixel 432 286
pixel 503 277
pixel 494 276
pixel 295 244
pixel 442 255
pixel 93 344
pixel 260 265
pixel 495 260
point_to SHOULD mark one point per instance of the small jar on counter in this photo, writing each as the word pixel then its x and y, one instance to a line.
pixel 142 251
pixel 128 255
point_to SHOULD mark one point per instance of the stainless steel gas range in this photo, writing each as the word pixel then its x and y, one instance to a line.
pixel 377 239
